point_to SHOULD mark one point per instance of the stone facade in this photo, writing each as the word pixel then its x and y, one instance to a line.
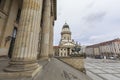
pixel 26 32
pixel 8 16
pixel 76 62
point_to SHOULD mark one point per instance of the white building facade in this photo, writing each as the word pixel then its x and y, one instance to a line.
pixel 108 49
pixel 66 43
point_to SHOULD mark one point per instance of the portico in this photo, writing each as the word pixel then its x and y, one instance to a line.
pixel 34 34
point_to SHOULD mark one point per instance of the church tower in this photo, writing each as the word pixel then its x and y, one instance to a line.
pixel 66 33
pixel 66 43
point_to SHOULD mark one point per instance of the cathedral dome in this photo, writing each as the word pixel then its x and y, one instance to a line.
pixel 66 29
pixel 65 25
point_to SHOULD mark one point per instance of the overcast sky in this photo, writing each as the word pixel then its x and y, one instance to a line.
pixel 90 21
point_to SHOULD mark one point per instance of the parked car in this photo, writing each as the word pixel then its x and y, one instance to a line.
pixel 113 58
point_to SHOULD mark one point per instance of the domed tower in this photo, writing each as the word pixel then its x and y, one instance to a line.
pixel 66 33
pixel 66 42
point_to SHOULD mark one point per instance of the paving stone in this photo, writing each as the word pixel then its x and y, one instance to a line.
pixel 55 70
pixel 99 70
pixel 109 77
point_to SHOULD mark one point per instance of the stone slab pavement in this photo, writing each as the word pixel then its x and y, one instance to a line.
pixel 54 70
pixel 99 69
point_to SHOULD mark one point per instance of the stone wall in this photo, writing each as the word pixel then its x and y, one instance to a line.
pixel 3 19
pixel 3 52
pixel 7 20
pixel 76 62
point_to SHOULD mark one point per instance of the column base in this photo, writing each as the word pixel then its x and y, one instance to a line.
pixel 21 66
pixel 44 58
pixel 14 75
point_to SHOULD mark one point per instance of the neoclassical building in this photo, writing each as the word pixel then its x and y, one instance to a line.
pixel 108 48
pixel 66 44
pixel 26 32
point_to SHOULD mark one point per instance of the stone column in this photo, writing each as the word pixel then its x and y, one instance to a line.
pixel 70 51
pixel 45 29
pixel 51 37
pixel 25 50
pixel 59 52
pixel 66 52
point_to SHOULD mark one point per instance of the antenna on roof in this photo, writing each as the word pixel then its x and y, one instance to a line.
pixel 65 22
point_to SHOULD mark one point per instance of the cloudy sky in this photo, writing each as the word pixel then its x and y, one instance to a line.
pixel 91 21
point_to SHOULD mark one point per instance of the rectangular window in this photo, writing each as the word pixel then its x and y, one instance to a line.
pixel 18 15
pixel 2 3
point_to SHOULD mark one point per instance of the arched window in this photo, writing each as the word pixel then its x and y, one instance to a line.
pixel 68 38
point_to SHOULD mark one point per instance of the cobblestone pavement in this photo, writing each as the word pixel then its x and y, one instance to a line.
pixel 53 70
pixel 99 69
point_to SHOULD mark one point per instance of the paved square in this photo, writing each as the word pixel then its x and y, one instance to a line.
pixel 99 69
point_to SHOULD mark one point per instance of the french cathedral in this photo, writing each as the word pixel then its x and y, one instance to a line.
pixel 66 44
